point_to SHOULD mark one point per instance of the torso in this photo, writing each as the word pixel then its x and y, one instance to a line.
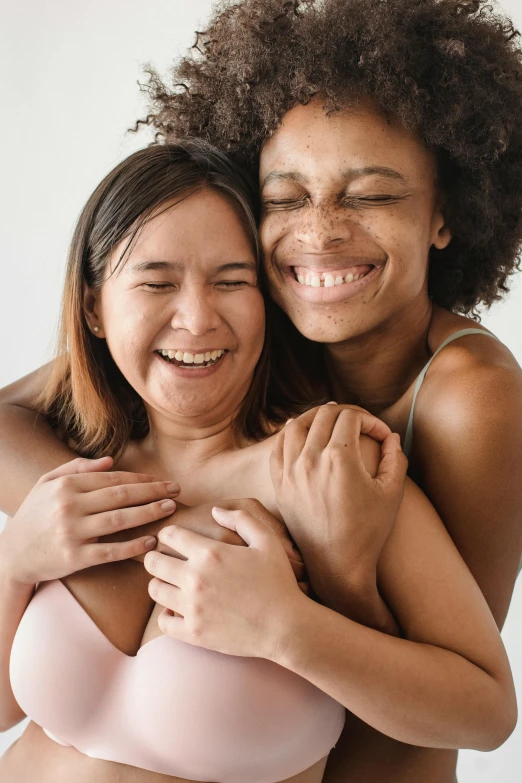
pixel 129 621
pixel 362 755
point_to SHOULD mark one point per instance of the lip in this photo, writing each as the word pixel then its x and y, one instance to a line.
pixel 338 293
pixel 193 350
pixel 195 374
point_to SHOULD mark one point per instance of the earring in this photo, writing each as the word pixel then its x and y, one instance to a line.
pixel 96 329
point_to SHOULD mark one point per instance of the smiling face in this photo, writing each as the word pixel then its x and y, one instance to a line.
pixel 182 315
pixel 350 211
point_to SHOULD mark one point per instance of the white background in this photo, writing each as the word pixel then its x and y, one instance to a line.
pixel 68 81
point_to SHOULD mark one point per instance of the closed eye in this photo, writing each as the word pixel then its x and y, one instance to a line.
pixel 157 286
pixel 232 283
pixel 362 200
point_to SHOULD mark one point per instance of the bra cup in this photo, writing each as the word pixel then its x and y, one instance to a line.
pixel 174 708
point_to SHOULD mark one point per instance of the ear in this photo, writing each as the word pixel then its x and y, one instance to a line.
pixel 91 308
pixel 440 234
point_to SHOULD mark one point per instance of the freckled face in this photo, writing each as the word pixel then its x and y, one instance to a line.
pixel 189 287
pixel 350 211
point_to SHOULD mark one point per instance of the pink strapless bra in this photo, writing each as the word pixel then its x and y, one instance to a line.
pixel 174 708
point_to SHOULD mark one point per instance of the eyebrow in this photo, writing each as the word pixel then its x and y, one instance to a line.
pixel 179 266
pixel 347 174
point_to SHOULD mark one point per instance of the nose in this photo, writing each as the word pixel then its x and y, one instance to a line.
pixel 321 229
pixel 195 311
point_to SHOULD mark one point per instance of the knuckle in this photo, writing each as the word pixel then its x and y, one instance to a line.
pixel 115 520
pixel 198 583
pixel 120 493
pixel 109 553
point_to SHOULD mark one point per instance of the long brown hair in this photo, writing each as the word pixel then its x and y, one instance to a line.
pixel 87 398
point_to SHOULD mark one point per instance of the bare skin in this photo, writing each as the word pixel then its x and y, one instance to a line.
pixel 206 307
pixel 321 211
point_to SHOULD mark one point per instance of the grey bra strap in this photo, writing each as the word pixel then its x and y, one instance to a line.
pixel 418 383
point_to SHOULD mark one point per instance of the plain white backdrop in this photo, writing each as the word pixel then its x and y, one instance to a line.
pixel 68 93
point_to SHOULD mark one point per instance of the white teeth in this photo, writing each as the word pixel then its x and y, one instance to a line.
pixel 170 354
pixel 348 279
pixel 199 358
pixel 329 281
pixel 339 280
pixel 316 281
pixel 188 358
pixel 178 356
pixel 300 279
pixel 207 356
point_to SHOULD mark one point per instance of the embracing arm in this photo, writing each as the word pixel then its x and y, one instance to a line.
pixel 15 598
pixel 28 446
pixel 448 684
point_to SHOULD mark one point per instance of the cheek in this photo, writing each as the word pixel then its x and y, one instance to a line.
pixel 250 324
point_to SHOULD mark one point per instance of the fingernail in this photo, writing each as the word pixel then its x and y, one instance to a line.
pixel 288 421
pixel 332 402
pixel 150 543
pixel 173 487
pixel 168 504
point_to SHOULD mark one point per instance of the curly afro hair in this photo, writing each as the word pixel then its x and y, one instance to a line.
pixel 448 69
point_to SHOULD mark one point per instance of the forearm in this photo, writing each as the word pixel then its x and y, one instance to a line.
pixel 359 600
pixel 15 598
pixel 28 449
pixel 416 693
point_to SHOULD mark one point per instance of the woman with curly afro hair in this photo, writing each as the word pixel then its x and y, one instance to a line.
pixel 387 137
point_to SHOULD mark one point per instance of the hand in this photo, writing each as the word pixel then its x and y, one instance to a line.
pixel 56 529
pixel 235 600
pixel 199 519
pixel 338 513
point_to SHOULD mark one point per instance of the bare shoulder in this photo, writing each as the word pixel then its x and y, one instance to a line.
pixel 467 456
pixel 473 389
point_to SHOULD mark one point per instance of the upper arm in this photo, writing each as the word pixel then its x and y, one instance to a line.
pixel 29 447
pixel 468 445
pixel 23 391
pixel 431 591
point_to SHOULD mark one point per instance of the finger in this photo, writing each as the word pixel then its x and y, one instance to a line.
pixel 322 427
pixel 168 569
pixel 96 554
pixel 125 495
pixel 78 465
pixel 299 570
pixel 253 532
pixel 370 424
pixel 173 626
pixel 277 459
pixel 167 595
pixel 187 543
pixel 394 464
pixel 109 522
pixel 94 482
pixel 296 432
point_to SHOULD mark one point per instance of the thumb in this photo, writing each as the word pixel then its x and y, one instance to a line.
pixel 79 465
pixel 253 532
pixel 393 465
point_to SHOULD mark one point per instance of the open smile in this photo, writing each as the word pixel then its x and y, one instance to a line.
pixel 331 284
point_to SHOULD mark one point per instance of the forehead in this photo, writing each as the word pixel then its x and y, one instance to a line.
pixel 200 229
pixel 321 146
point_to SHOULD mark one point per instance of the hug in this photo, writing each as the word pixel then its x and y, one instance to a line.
pixel 216 568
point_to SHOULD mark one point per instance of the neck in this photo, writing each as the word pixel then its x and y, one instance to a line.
pixel 187 443
pixel 375 369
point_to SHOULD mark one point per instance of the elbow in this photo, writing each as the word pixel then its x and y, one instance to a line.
pixel 502 720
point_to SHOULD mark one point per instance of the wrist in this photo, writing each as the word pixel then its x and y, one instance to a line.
pixel 10 579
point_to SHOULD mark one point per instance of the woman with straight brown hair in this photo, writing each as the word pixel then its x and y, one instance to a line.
pixel 163 280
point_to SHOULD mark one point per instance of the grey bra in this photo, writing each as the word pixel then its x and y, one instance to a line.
pixel 418 383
